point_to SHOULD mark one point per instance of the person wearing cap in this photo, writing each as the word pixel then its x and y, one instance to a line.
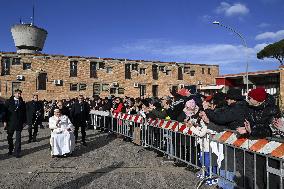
pixel 62 139
pixel 14 120
pixel 262 111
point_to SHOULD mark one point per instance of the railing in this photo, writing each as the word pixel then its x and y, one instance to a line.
pixel 235 161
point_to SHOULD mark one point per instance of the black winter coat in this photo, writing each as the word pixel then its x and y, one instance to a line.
pixel 232 116
pixel 260 118
pixel 80 113
pixel 35 112
pixel 15 116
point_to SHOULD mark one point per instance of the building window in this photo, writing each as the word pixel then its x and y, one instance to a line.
pixel 192 73
pixel 180 73
pixel 142 71
pixel 73 68
pixel 27 66
pixel 82 86
pixel 209 71
pixel 102 65
pixel 109 70
pixel 127 71
pixel 41 81
pixel 16 61
pixel 186 69
pixel 155 72
pixel 74 87
pixel 5 64
pixel 120 90
pixel 93 70
pixel 203 70
pixel 105 87
pixel 96 89
pixel 112 91
pixel 162 68
pixel 134 67
pixel 168 72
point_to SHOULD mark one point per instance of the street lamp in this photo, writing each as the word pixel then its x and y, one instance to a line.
pixel 244 44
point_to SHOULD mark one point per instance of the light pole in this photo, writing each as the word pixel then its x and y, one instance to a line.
pixel 244 44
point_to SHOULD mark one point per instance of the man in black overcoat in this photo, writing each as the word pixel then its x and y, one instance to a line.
pixel 79 115
pixel 35 113
pixel 14 120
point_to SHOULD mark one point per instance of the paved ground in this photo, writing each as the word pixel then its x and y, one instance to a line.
pixel 106 162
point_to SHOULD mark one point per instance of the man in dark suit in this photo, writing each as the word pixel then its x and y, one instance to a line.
pixel 14 120
pixel 79 115
pixel 35 113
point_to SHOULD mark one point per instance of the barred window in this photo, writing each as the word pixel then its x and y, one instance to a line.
pixel 73 68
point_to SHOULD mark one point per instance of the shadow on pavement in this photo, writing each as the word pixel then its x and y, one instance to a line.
pixel 25 142
pixel 90 177
pixel 96 143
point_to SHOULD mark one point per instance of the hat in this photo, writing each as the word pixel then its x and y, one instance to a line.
pixel 258 94
pixel 234 94
pixel 209 98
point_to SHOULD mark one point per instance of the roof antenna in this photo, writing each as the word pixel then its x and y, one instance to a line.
pixel 33 17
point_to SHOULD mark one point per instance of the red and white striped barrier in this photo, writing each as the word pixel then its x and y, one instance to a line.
pixel 264 146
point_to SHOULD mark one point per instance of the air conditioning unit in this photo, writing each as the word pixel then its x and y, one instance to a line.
pixel 57 82
pixel 199 82
pixel 20 77
pixel 136 85
pixel 115 84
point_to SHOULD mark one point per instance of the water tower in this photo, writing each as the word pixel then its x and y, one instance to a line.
pixel 28 38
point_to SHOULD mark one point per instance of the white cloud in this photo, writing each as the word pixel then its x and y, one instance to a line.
pixel 236 9
pixel 231 58
pixel 263 25
pixel 271 35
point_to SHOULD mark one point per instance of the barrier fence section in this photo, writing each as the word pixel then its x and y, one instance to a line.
pixel 235 161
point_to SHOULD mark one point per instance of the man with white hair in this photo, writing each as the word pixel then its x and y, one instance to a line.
pixel 62 139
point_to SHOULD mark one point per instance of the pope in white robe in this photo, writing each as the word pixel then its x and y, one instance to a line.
pixel 62 139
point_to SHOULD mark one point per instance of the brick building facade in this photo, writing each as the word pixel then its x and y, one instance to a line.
pixel 59 77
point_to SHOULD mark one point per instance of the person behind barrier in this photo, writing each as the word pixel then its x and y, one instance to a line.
pixel 262 111
pixel 35 113
pixel 62 139
pixel 79 116
pixel 233 116
pixel 202 131
pixel 277 127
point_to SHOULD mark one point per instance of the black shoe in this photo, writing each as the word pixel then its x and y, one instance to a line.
pixel 17 155
pixel 84 144
pixel 34 140
pixel 10 153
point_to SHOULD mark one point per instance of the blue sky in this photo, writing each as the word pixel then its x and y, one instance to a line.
pixel 165 30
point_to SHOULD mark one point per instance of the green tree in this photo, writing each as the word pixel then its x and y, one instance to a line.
pixel 275 50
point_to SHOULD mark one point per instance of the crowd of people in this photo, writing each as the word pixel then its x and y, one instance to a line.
pixel 254 117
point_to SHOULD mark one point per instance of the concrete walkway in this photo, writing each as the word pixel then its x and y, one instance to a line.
pixel 106 162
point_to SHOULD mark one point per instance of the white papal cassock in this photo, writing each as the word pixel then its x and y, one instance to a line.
pixel 62 141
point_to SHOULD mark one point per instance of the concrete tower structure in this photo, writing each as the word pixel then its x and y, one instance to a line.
pixel 28 38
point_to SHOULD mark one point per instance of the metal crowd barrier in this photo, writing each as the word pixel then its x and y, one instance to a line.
pixel 236 162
